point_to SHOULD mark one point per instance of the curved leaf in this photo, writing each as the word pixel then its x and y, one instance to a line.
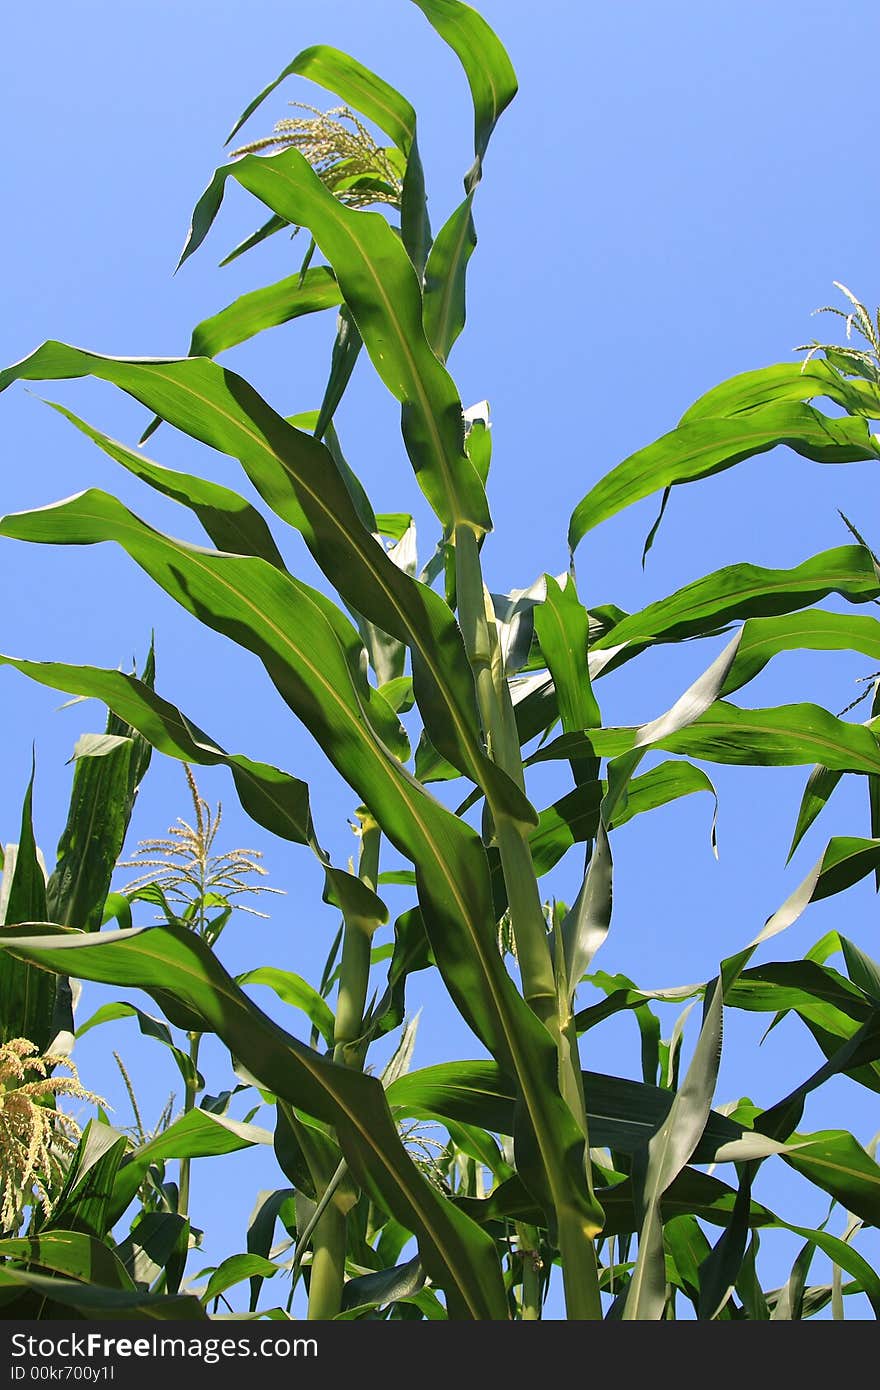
pixel 232 523
pixel 356 85
pixel 74 1253
pixel 785 381
pixel 817 630
pixel 782 737
pixel 749 591
pixel 177 962
pixel 297 992
pixel 380 287
pixel 487 67
pixel 298 478
pixel 265 308
pixel 443 311
pixel 706 446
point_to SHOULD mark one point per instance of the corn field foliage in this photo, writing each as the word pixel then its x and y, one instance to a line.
pixel 470 1188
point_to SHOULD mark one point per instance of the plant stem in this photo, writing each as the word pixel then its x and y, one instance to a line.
pixel 328 1265
pixel 189 1100
pixel 580 1273
pixel 499 727
pixel 577 1249
pixel 527 1241
pixel 330 1236
pixel 354 970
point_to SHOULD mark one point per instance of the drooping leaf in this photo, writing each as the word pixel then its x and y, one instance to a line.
pixel 487 67
pixel 301 482
pixel 748 591
pixel 233 1270
pixel 232 523
pixel 297 992
pixel 816 630
pixel 150 1027
pixel 197 1134
pixel 265 308
pixel 784 381
pixel 156 1247
pixel 346 351
pixel 385 1286
pixel 787 735
pixel 453 1250
pixel 705 446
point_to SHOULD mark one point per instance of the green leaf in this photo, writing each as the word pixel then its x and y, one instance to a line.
pixel 720 1269
pixel 444 311
pixel 157 1246
pixel 93 1301
pixel 692 1193
pixel 381 289
pixel 456 1255
pixel 346 351
pixel 836 1162
pixel 487 67
pixel 298 478
pixel 575 816
pixel 787 735
pixel 232 523
pixel 816 630
pixel 267 229
pixel 562 627
pixel 668 1152
pixel 265 308
pixel 746 591
pixel 370 94
pixel 789 1304
pixel 820 785
pixel 843 1254
pixel 261 1229
pixel 356 85
pixel 784 381
pixel 845 860
pixel 622 1114
pixel 28 995
pixel 74 1253
pixel 233 1270
pixel 197 1134
pixel 288 625
pixel 85 1201
pixel 150 1027
pixel 706 446
pixel 385 1286
pixel 863 971
pixel 297 992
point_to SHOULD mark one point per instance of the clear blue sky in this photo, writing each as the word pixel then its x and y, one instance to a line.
pixel 673 191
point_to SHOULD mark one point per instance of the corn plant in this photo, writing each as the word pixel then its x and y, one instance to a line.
pixel 541 1163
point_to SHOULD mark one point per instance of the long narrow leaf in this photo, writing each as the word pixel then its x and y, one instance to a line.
pixel 381 289
pixel 177 962
pixel 703 447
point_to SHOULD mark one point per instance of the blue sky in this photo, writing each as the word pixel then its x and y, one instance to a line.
pixel 673 191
